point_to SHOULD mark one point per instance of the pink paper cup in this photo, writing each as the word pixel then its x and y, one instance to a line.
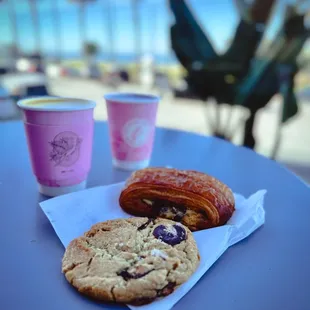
pixel 131 120
pixel 60 136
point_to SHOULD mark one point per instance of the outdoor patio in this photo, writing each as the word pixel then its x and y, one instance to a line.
pixel 190 115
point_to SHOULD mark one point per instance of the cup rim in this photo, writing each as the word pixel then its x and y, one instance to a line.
pixel 137 98
pixel 84 104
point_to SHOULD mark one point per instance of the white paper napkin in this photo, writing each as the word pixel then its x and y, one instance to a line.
pixel 73 214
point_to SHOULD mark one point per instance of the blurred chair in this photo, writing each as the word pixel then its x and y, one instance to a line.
pixel 3 70
pixel 274 74
pixel 36 91
pixel 185 32
pixel 124 75
pixel 253 87
pixel 249 31
pixel 30 91
pixel 208 72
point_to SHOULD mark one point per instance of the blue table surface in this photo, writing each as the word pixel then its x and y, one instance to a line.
pixel 269 270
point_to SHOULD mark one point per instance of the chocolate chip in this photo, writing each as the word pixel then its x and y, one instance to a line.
pixel 163 209
pixel 125 274
pixel 179 215
pixel 174 212
pixel 143 226
pixel 135 275
pixel 171 235
pixel 168 289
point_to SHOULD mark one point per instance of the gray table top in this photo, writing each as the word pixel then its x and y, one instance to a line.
pixel 269 270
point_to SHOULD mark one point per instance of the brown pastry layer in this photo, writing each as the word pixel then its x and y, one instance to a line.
pixel 196 199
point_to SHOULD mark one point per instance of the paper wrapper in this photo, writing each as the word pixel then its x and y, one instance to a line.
pixel 73 214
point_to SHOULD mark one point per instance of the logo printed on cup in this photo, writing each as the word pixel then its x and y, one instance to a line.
pixel 136 131
pixel 65 149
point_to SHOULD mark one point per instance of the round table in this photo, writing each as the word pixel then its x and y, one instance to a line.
pixel 269 270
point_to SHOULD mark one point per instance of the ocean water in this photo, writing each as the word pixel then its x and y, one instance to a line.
pixel 120 57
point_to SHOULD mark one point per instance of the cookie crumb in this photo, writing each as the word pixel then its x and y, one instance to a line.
pixel 159 253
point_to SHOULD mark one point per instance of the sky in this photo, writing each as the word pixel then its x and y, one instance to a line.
pixel 218 18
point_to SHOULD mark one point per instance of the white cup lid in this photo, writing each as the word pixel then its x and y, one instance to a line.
pixel 56 104
pixel 131 98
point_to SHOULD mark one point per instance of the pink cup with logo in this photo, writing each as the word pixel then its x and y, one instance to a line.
pixel 60 136
pixel 131 119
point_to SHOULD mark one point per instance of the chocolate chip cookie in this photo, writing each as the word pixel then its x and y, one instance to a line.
pixel 131 261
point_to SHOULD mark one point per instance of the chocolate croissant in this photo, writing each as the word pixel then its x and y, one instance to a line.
pixel 195 199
